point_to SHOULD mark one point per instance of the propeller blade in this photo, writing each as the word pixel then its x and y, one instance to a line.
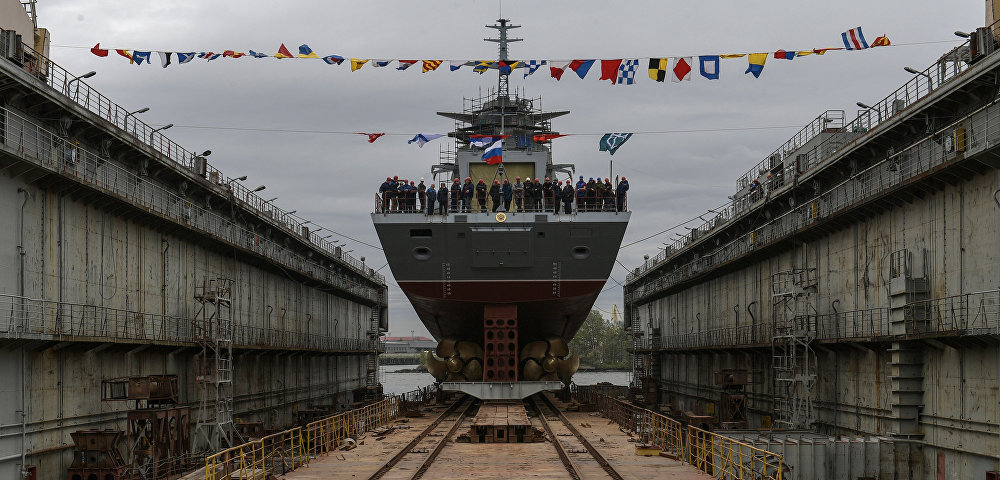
pixel 436 367
pixel 473 370
pixel 455 364
pixel 558 347
pixel 532 370
pixel 549 363
pixel 468 350
pixel 549 377
pixel 446 348
pixel 534 350
pixel 567 367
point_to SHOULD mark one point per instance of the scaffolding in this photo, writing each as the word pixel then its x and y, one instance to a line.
pixel 793 361
pixel 213 326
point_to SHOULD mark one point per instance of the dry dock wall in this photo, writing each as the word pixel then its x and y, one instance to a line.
pixel 106 237
pixel 895 244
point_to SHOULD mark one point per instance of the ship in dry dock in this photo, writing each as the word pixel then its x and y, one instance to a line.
pixel 503 292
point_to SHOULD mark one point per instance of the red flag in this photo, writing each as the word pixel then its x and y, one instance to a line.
pixel 125 54
pixel 609 70
pixel 283 52
pixel 97 50
pixel 371 136
pixel 548 136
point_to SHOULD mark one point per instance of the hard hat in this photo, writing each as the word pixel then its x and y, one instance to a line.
pixel 496 182
pixel 456 180
pixel 547 179
pixel 505 181
pixel 468 179
pixel 518 178
pixel 411 182
pixel 591 178
pixel 421 179
pixel 388 179
pixel 623 179
pixel 395 177
pixel 607 179
pixel 581 177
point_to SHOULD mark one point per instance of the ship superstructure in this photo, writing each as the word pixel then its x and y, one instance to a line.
pixel 502 288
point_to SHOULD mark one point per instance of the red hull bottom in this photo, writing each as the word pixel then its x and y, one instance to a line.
pixel 544 308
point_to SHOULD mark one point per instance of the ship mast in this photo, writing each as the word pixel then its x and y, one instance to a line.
pixel 503 41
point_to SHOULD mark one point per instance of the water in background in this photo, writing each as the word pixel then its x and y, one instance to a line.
pixel 395 382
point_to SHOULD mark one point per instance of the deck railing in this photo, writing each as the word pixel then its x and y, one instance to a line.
pixel 545 204
pixel 720 456
pixel 49 151
pixel 949 67
pixel 154 143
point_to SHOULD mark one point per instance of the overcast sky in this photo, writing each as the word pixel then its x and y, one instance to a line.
pixel 331 178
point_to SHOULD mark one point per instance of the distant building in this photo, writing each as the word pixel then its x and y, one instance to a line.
pixel 408 344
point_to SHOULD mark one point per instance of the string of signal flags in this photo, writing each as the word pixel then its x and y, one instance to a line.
pixel 620 71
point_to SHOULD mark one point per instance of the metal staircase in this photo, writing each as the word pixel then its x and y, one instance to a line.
pixel 213 327
pixel 793 361
pixel 373 389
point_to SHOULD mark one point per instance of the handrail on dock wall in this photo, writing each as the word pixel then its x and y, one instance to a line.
pixel 154 143
pixel 285 451
pixel 43 148
pixel 842 137
pixel 717 455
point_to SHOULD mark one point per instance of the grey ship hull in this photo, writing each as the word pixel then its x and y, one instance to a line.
pixel 552 267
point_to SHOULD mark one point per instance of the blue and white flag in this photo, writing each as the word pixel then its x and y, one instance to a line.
pixel 626 72
pixel 531 66
pixel 456 64
pixel 494 154
pixel 258 54
pixel 184 57
pixel 381 63
pixel 854 39
pixel 422 138
pixel 138 57
pixel 484 140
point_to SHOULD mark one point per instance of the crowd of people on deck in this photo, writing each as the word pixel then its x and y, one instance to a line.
pixel 529 195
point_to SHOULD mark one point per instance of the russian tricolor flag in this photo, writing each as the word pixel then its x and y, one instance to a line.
pixel 854 39
pixel 494 154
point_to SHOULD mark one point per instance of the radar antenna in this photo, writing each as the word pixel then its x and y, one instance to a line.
pixel 503 41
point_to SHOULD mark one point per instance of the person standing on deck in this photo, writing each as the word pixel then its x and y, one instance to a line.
pixel 421 194
pixel 518 191
pixel 443 199
pixel 536 194
pixel 431 195
pixel 507 193
pixel 467 190
pixel 620 195
pixel 547 194
pixel 481 195
pixel 495 194
pixel 383 190
pixel 456 193
pixel 567 198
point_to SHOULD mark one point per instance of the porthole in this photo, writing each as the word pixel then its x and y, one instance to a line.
pixel 581 253
pixel 422 253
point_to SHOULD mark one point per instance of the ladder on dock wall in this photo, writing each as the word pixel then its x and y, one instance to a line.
pixel 639 371
pixel 373 389
pixel 793 361
pixel 213 328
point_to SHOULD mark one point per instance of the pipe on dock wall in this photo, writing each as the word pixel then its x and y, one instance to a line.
pixel 20 293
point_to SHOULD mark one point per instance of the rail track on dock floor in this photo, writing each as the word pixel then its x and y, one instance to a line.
pixel 442 428
pixel 560 441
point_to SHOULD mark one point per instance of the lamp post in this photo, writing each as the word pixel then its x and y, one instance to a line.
pixel 78 78
pixel 930 82
pixel 271 199
pixel 259 188
pixel 959 33
pixel 136 112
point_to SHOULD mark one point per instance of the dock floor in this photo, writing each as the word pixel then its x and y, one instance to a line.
pixel 506 461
